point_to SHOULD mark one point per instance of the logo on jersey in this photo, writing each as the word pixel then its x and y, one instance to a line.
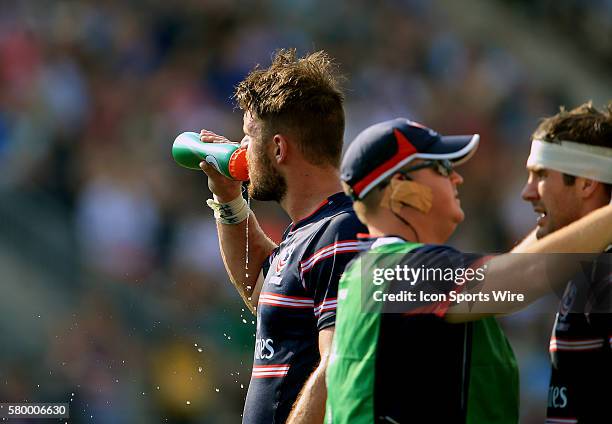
pixel 557 397
pixel 283 259
pixel 264 348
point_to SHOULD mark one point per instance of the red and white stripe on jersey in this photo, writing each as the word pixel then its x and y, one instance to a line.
pixel 345 246
pixel 554 420
pixel 327 305
pixel 275 299
pixel 270 371
pixel 575 345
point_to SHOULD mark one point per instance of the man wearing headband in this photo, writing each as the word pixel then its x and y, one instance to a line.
pixel 452 359
pixel 570 175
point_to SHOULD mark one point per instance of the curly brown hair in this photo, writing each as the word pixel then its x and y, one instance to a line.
pixel 584 124
pixel 300 96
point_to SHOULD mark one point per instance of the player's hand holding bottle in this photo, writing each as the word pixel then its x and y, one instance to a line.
pixel 225 189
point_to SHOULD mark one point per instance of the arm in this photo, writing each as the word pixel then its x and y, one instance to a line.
pixel 310 404
pixel 232 238
pixel 535 275
pixel 232 241
pixel 527 241
pixel 590 234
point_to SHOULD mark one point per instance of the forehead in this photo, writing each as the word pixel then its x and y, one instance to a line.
pixel 552 174
pixel 539 168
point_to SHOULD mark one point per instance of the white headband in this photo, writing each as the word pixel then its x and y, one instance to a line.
pixel 580 160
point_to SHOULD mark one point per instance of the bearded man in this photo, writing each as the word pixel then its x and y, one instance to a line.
pixel 293 132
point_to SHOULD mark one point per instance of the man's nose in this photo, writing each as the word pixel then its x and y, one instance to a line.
pixel 456 178
pixel 530 191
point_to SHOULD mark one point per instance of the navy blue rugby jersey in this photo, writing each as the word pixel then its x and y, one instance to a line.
pixel 297 300
pixel 581 350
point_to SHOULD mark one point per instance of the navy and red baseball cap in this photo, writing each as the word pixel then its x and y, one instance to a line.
pixel 385 148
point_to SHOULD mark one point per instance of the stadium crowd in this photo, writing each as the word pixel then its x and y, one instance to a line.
pixel 92 96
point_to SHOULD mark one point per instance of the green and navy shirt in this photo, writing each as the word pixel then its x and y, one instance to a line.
pixel 415 367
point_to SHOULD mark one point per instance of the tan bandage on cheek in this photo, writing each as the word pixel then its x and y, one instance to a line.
pixel 407 193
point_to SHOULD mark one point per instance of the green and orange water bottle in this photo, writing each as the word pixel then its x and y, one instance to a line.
pixel 227 158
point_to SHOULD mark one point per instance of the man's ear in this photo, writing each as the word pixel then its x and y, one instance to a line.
pixel 281 148
pixel 586 187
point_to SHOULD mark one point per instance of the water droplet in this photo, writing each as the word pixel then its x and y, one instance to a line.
pixel 188 403
pixel 242 386
pixel 157 387
pixel 216 390
pixel 200 349
pixel 195 344
pixel 199 369
pixel 244 321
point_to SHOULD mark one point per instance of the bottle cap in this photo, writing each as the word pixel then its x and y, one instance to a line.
pixel 238 165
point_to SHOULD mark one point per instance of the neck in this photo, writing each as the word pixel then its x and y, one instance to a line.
pixel 391 226
pixel 303 198
pixel 384 229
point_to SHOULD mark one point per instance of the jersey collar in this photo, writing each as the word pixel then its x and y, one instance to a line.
pixel 332 201
pixel 381 241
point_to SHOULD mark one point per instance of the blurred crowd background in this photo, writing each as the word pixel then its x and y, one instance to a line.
pixel 113 296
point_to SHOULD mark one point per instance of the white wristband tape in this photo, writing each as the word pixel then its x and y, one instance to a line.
pixel 231 213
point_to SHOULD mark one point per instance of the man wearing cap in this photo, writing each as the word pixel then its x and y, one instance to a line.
pixel 570 175
pixel 427 357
